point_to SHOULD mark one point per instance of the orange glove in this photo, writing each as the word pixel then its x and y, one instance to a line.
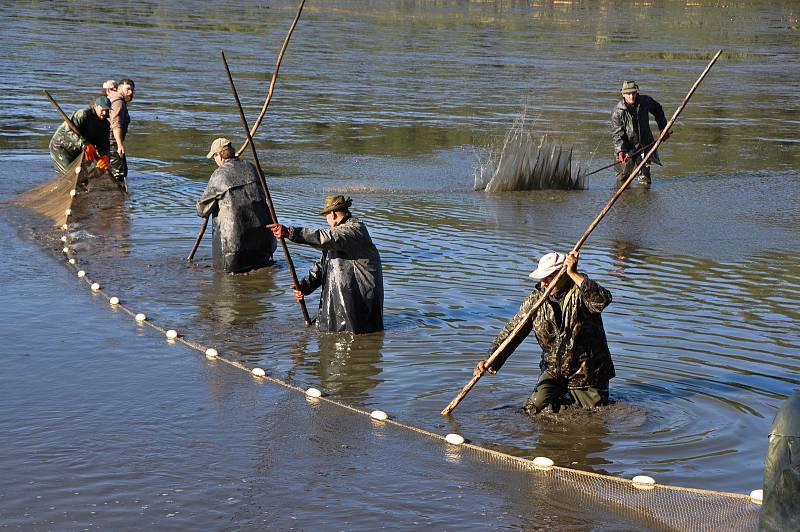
pixel 278 230
pixel 298 294
pixel 622 157
pixel 102 163
pixel 90 153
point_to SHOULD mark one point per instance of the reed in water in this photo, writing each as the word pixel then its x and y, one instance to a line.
pixel 525 162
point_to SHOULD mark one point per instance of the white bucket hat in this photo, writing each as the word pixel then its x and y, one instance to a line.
pixel 548 264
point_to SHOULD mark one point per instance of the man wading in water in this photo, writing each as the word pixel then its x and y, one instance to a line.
pixel 240 240
pixel 349 270
pixel 630 130
pixel 569 329
pixel 65 145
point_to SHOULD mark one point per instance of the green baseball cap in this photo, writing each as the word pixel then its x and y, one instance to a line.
pixel 103 102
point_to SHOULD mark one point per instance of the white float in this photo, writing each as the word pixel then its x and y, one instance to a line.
pixel 72 192
pixel 643 482
pixel 380 415
pixel 258 372
pixel 64 238
pixel 313 392
pixel 68 212
pixel 95 286
pixel 71 261
pixel 543 463
pixel 65 250
pixel 454 439
pixel 81 273
pixel 757 496
pixel 65 227
pixel 172 334
pixel 114 300
pixel 211 353
pixel 140 317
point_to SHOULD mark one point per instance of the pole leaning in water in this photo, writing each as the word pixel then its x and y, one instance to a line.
pixel 264 186
pixel 199 238
pixel 274 78
pixel 465 390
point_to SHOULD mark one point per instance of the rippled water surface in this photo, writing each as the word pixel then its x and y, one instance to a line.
pixel 391 103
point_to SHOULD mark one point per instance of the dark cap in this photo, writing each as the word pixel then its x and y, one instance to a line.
pixel 103 102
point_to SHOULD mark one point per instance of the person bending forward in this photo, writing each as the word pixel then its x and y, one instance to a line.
pixel 568 326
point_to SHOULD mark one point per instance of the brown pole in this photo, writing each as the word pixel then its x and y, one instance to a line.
pixel 263 181
pixel 199 238
pixel 274 79
pixel 465 390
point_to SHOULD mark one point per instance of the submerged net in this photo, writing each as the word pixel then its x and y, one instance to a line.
pixel 523 163
pixel 54 198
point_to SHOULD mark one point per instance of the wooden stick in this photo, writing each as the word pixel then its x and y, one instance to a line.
pixel 634 154
pixel 490 360
pixel 264 186
pixel 199 238
pixel 274 79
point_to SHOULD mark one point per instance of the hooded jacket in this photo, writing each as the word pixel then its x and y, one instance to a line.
pixel 630 125
pixel 570 332
pixel 240 240
pixel 350 275
pixel 781 506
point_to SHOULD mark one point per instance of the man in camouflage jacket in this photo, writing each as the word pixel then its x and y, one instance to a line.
pixel 569 329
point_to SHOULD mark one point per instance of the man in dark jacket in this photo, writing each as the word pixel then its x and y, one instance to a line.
pixel 349 270
pixel 241 241
pixel 630 130
pixel 569 329
pixel 93 126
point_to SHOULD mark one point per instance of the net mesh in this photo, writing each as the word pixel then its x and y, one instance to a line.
pixel 54 199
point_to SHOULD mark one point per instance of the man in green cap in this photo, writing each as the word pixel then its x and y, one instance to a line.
pixel 630 131
pixel 240 239
pixel 349 270
pixel 93 141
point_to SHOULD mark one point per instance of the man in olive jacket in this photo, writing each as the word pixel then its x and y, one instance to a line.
pixel 240 241
pixel 94 129
pixel 569 329
pixel 630 131
pixel 349 271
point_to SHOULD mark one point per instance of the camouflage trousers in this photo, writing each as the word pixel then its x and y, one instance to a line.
pixel 117 166
pixel 552 391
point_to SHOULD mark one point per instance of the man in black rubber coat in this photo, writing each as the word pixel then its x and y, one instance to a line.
pixel 349 271
pixel 93 126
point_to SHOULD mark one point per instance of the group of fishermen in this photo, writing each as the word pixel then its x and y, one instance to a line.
pixel 102 128
pixel 576 364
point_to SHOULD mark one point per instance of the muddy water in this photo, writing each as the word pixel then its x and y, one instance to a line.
pixel 390 104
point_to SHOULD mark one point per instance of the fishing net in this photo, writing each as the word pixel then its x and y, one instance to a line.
pixel 54 198
pixel 523 163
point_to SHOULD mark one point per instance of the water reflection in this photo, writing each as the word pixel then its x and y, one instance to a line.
pixel 345 365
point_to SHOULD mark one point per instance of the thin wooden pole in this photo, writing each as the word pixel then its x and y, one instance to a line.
pixel 274 79
pixel 263 181
pixel 199 238
pixel 634 154
pixel 514 333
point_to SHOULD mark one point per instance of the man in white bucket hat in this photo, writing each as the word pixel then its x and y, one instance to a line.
pixel 569 329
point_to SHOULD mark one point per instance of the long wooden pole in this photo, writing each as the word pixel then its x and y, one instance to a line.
pixel 490 360
pixel 263 181
pixel 197 240
pixel 274 79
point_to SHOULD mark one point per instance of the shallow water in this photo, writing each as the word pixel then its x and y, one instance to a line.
pixel 389 104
